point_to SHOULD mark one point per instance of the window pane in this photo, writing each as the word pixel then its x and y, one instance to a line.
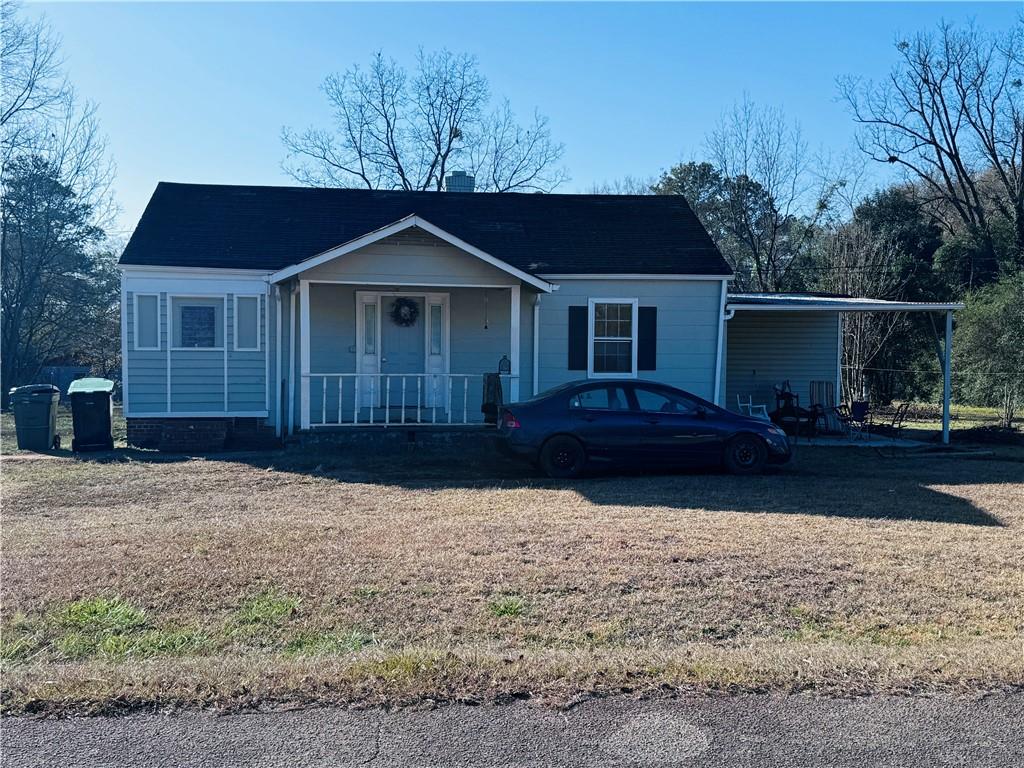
pixel 148 324
pixel 198 327
pixel 663 402
pixel 601 399
pixel 613 321
pixel 436 329
pixel 613 357
pixel 248 322
pixel 370 329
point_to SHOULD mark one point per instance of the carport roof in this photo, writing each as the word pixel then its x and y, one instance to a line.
pixel 824 302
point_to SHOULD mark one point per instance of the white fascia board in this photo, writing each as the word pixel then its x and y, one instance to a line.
pixel 608 275
pixel 196 414
pixel 852 307
pixel 399 226
pixel 197 284
pixel 173 272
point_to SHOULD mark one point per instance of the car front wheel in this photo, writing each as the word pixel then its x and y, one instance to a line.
pixel 562 456
pixel 745 455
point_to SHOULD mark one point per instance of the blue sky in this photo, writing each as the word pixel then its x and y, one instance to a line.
pixel 199 91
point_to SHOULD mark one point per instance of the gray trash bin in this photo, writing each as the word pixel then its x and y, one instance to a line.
pixel 35 415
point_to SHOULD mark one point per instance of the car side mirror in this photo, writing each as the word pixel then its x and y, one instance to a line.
pixel 701 412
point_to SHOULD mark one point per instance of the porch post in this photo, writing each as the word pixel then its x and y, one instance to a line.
pixel 304 349
pixel 947 362
pixel 514 344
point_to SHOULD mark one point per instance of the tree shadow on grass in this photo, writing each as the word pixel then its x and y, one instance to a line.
pixel 832 482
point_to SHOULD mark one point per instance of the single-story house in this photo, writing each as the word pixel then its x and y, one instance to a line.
pixel 290 309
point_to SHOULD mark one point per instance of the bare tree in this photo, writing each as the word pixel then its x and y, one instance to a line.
pixel 55 200
pixel 951 115
pixel 856 261
pixel 32 83
pixel 627 185
pixel 393 130
pixel 772 201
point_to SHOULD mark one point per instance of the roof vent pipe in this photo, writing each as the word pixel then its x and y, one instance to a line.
pixel 459 181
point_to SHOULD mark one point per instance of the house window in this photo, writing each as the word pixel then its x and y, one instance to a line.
pixel 147 321
pixel 613 331
pixel 247 323
pixel 436 329
pixel 370 329
pixel 198 322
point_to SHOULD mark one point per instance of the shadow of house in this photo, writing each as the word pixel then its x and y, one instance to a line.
pixel 828 482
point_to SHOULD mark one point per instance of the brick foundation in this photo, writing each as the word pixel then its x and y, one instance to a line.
pixel 199 435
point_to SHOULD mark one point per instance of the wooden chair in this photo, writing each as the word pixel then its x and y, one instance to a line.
pixel 749 409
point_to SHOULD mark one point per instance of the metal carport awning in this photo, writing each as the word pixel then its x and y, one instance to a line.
pixel 817 302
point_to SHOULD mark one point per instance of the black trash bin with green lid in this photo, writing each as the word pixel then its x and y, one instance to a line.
pixel 92 410
pixel 35 415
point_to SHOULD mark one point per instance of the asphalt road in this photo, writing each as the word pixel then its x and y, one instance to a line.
pixel 761 731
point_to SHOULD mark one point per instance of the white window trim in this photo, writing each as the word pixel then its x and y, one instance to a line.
pixel 634 326
pixel 238 296
pixel 135 320
pixel 170 322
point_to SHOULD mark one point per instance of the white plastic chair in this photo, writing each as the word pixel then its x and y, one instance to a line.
pixel 749 409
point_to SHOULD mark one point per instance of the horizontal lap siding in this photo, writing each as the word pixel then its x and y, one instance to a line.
pixel 688 312
pixel 766 348
pixel 247 372
pixel 197 380
pixel 410 259
pixel 332 328
pixel 197 377
pixel 146 383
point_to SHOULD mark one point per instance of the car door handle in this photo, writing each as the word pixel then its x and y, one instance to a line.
pixel 652 420
pixel 589 418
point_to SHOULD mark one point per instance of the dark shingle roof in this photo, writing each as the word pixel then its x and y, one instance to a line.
pixel 201 225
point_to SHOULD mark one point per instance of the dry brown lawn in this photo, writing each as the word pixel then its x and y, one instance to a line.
pixel 251 580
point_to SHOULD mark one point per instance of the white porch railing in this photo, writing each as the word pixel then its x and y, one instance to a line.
pixel 390 399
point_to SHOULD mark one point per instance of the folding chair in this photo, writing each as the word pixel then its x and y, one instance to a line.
pixel 855 418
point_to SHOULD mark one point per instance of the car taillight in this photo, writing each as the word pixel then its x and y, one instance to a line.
pixel 510 421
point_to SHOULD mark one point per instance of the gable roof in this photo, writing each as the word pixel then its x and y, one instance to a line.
pixel 409 222
pixel 270 228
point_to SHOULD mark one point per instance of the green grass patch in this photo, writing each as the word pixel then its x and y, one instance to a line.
pixel 327 643
pixel 269 608
pixel 17 648
pixel 507 606
pixel 365 592
pixel 101 614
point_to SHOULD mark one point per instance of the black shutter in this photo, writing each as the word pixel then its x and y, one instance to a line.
pixel 577 339
pixel 647 339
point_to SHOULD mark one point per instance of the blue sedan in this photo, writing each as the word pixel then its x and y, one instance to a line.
pixel 619 423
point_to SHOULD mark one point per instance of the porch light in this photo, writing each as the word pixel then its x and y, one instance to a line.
pixel 504 366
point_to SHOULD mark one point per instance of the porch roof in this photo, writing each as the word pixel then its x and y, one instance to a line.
pixel 823 302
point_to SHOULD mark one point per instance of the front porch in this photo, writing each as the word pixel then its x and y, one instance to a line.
pixel 374 355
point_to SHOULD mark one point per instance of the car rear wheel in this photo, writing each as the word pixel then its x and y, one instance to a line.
pixel 745 455
pixel 562 456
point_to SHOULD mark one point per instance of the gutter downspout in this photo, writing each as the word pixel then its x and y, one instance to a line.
pixel 291 358
pixel 536 345
pixel 719 345
pixel 279 425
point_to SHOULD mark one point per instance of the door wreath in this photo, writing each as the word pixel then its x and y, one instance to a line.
pixel 404 311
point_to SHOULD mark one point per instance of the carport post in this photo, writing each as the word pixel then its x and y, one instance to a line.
pixel 947 361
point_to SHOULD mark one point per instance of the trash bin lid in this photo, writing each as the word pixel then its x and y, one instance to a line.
pixel 90 385
pixel 29 389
